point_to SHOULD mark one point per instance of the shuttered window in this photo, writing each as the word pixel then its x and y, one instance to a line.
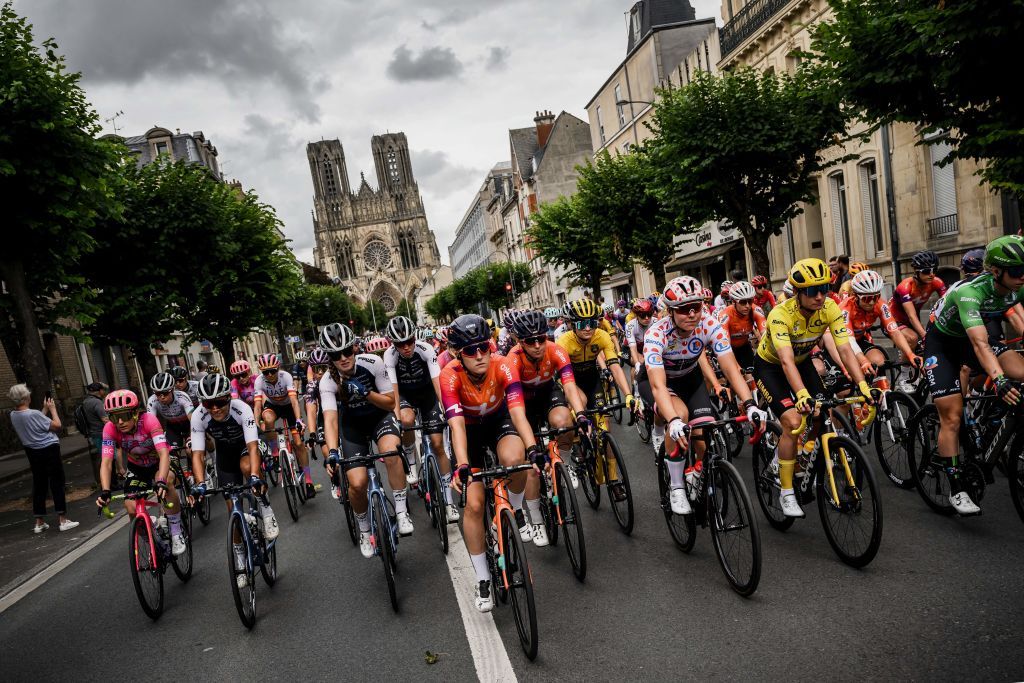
pixel 840 224
pixel 943 181
pixel 871 207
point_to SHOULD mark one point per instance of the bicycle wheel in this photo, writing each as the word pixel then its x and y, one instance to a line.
pixel 203 510
pixel 547 510
pixel 853 527
pixel 623 509
pixel 245 596
pixel 890 436
pixel 733 436
pixel 288 483
pixel 435 498
pixel 643 426
pixel 182 564
pixel 572 522
pixel 519 581
pixel 766 477
pixel 382 539
pixel 683 528
pixel 734 531
pixel 300 481
pixel 1015 472
pixel 274 470
pixel 611 390
pixel 928 472
pixel 588 477
pixel 146 573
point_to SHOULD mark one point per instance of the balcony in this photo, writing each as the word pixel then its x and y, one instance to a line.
pixel 746 22
pixel 943 226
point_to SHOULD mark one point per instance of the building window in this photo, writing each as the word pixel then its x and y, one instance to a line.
pixel 871 206
pixel 161 148
pixel 700 66
pixel 943 180
pixel 686 63
pixel 407 249
pixel 635 20
pixel 625 147
pixel 620 109
pixel 840 220
pixel 330 186
pixel 600 124
pixel 707 55
pixel 396 178
pixel 792 62
pixel 344 259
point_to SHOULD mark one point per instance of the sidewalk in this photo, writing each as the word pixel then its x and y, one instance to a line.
pixel 15 464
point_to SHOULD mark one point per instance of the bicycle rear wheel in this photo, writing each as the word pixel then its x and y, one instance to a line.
pixel 520 584
pixel 623 509
pixel 245 596
pixel 891 434
pixel 435 499
pixel 853 527
pixel 382 539
pixel 734 531
pixel 643 426
pixel 146 573
pixel 922 458
pixel 182 564
pixel 766 477
pixel 572 523
pixel 683 528
pixel 290 486
pixel 548 515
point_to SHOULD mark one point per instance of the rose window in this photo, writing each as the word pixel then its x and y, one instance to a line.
pixel 377 256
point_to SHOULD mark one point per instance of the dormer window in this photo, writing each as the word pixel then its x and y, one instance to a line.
pixel 635 21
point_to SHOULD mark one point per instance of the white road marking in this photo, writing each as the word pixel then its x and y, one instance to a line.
pixel 489 655
pixel 42 577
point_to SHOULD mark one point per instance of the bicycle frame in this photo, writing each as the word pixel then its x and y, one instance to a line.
pixel 550 470
pixel 374 490
pixel 140 498
pixel 495 483
pixel 821 444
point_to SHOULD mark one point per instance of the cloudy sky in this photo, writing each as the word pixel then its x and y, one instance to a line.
pixel 262 78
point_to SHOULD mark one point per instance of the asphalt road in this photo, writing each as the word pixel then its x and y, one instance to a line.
pixel 942 601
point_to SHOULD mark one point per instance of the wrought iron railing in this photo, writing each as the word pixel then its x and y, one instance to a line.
pixel 745 22
pixel 943 225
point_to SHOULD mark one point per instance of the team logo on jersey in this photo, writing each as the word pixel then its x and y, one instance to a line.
pixel 931 362
pixel 721 347
pixel 695 346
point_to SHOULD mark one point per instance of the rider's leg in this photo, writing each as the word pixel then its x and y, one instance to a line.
pixel 268 435
pixel 409 441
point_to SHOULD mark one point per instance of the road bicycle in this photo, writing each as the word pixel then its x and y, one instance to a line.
pixel 642 418
pixel 831 468
pixel 340 484
pixel 888 431
pixel 720 502
pixel 599 462
pixel 559 507
pixel 430 487
pixel 149 552
pixel 511 578
pixel 612 394
pixel 291 474
pixel 733 433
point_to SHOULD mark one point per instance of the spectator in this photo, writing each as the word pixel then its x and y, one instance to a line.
pixel 840 267
pixel 736 275
pixel 200 372
pixel 38 435
pixel 96 416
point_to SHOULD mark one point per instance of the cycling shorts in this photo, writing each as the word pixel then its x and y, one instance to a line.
pixel 356 435
pixel 540 404
pixel 281 412
pixel 690 388
pixel 426 404
pixel 943 357
pixel 139 477
pixel 229 456
pixel 177 434
pixel 775 389
pixel 744 356
pixel 482 437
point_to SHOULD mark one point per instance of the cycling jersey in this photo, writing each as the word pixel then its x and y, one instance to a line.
pixel 246 391
pixel 765 300
pixel 370 371
pixel 741 328
pixel 859 321
pixel 414 373
pixel 677 353
pixel 552 332
pixel 536 375
pixel 444 358
pixel 140 446
pixel 499 390
pixel 193 391
pixel 302 374
pixel 788 327
pixel 635 334
pixel 583 355
pixel 176 412
pixel 279 392
pixel 913 291
pixel 971 303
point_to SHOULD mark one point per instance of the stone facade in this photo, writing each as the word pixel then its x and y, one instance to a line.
pixel 376 241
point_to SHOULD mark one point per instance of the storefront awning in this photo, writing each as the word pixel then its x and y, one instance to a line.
pixel 709 255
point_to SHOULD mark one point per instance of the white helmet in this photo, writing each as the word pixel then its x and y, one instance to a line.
pixel 336 337
pixel 682 290
pixel 867 282
pixel 741 291
pixel 787 288
pixel 608 308
pixel 400 329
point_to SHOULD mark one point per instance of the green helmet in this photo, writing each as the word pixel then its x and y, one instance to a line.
pixel 1005 251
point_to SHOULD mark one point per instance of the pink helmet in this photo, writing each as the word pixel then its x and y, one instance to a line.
pixel 239 367
pixel 268 361
pixel 377 345
pixel 121 399
pixel 681 291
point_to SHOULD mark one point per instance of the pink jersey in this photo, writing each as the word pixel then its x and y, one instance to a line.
pixel 140 446
pixel 444 358
pixel 246 391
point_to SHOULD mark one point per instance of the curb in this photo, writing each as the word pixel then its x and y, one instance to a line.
pixel 27 471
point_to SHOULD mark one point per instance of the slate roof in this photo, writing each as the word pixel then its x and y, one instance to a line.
pixel 524 146
pixel 655 13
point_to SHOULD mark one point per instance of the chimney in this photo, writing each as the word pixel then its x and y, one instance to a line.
pixel 544 121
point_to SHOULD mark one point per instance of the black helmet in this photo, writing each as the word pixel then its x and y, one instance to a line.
pixel 336 337
pixel 973 261
pixel 924 259
pixel 179 373
pixel 161 381
pixel 529 324
pixel 214 386
pixel 400 329
pixel 468 329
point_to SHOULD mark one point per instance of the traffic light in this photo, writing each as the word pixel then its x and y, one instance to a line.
pixel 351 323
pixel 508 286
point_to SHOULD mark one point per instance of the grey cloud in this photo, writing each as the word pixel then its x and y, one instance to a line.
pixel 432 64
pixel 497 58
pixel 440 177
pixel 272 138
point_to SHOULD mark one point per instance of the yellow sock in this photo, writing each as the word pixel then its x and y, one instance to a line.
pixel 786 468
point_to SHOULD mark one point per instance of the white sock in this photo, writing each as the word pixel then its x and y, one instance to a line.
pixel 400 502
pixel 534 508
pixel 410 453
pixel 676 473
pixel 446 483
pixel 483 572
pixel 516 499
pixel 364 522
pixel 658 431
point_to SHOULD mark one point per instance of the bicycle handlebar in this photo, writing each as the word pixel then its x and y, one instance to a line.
pixel 548 433
pixel 499 472
pixel 834 403
pixel 366 460
pixel 135 495
pixel 603 409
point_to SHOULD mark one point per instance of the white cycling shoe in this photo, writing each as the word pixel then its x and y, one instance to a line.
pixel 404 524
pixel 482 595
pixel 790 506
pixel 525 528
pixel 451 513
pixel 365 546
pixel 680 502
pixel 963 504
pixel 540 535
pixel 178 544
pixel 414 474
pixel 270 528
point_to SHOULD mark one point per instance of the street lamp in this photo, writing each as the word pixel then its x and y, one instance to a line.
pixel 622 102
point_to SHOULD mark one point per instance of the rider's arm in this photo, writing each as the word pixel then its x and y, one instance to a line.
pixel 912 317
pixel 151 425
pixel 978 336
pixel 1016 317
pixel 788 362
pixel 382 392
pixel 329 406
pixel 732 371
pixel 460 445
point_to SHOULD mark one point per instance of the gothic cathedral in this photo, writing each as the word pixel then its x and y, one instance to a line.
pixel 377 242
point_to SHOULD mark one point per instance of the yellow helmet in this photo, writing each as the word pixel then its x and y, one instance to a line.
pixel 858 267
pixel 583 309
pixel 808 272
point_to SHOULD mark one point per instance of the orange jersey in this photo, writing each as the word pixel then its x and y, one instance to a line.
pixel 859 321
pixel 499 390
pixel 741 328
pixel 535 375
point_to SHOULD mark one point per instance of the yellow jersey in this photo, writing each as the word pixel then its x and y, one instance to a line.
pixel 584 354
pixel 788 327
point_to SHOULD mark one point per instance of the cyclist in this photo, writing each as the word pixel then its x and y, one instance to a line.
pixel 586 346
pixel 787 291
pixel 483 400
pixel 673 350
pixel 275 398
pixel 783 367
pixel 722 300
pixel 553 316
pixel 861 310
pixel 229 425
pixel 358 401
pixel 845 288
pixel 743 322
pixel 505 339
pixel 708 297
pixel 377 346
pixel 301 373
pixel 764 297
pixel 959 336
pixel 243 382
pixel 318 365
pixel 643 315
pixel 911 294
pixel 171 408
pixel 183 383
pixel 142 440
pixel 413 370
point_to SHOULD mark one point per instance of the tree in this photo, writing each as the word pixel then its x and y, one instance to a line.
pixel 743 147
pixel 56 180
pixel 442 306
pixel 407 308
pixel 563 234
pixel 495 276
pixel 946 65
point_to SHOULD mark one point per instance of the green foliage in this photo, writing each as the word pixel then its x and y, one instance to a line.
pixel 484 284
pixel 442 306
pixel 407 308
pixel 946 65
pixel 561 234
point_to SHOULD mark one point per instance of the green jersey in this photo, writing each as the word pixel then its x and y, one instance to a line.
pixel 970 304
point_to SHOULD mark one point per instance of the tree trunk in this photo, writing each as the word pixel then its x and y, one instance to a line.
pixel 147 361
pixel 286 349
pixel 659 276
pixel 757 243
pixel 595 284
pixel 30 356
pixel 226 345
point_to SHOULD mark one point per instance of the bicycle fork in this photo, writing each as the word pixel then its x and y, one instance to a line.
pixel 832 488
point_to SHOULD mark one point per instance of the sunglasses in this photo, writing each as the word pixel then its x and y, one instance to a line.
pixel 407 342
pixel 1014 271
pixel 534 341
pixel 242 375
pixel 761 286
pixel 217 403
pixel 123 416
pixel 162 393
pixel 688 309
pixel 337 355
pixel 585 324
pixel 816 290
pixel 474 350
pixel 643 315
pixel 745 302
pixel 271 371
pixel 319 368
pixel 868 298
pixel 925 271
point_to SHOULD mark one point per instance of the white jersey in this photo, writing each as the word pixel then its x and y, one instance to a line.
pixel 635 334
pixel 277 393
pixel 370 371
pixel 665 346
pixel 239 426
pixel 176 412
pixel 415 372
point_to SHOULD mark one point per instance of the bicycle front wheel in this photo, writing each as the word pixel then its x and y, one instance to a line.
pixel 890 436
pixel 1015 472
pixel 145 566
pixel 245 595
pixel 588 477
pixel 519 583
pixel 572 523
pixel 382 538
pixel 643 426
pixel 435 499
pixel 853 522
pixel 926 467
pixel 182 564
pixel 683 528
pixel 290 487
pixel 623 509
pixel 734 531
pixel 766 477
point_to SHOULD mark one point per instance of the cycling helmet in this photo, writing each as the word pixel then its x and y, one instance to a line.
pixel 400 329
pixel 866 282
pixel 1004 251
pixel 239 367
pixel 161 381
pixel 621 303
pixel 643 306
pixel 681 291
pixel 742 291
pixel 725 287
pixel 924 259
pixel 442 336
pixel 377 345
pixel 508 319
pixel 552 313
pixel 214 386
pixel 608 308
pixel 582 309
pixel 301 356
pixel 808 272
pixel 468 329
pixel 213 369
pixel 266 361
pixel 318 357
pixel 759 281
pixel 787 288
pixel 529 324
pixel 120 399
pixel 179 373
pixel 707 294
pixel 426 334
pixel 858 267
pixel 973 261
pixel 336 337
